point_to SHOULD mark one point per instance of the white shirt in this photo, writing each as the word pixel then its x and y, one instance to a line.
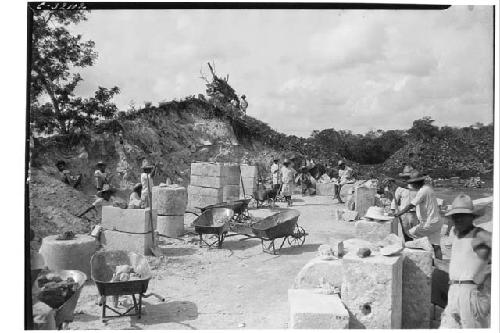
pixel 144 182
pixel 404 195
pixel 345 175
pixel 465 264
pixel 428 214
pixel 275 170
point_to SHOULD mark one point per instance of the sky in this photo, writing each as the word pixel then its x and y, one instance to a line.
pixel 304 70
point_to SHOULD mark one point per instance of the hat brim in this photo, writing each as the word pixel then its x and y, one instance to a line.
pixel 414 180
pixel 474 212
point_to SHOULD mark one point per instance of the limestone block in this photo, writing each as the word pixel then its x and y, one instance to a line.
pixel 249 183
pixel 206 181
pixel 230 192
pixel 346 215
pixel 417 278
pixel 129 220
pixel 315 270
pixel 310 310
pixel 171 226
pixel 372 231
pixel 169 200
pixel 231 172
pixel 249 171
pixel 325 189
pixel 115 240
pixel 199 201
pixel 69 254
pixel 372 291
pixel 364 198
pixel 205 191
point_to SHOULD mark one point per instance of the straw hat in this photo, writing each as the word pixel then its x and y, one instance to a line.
pixel 416 176
pixel 377 213
pixel 340 162
pixel 463 205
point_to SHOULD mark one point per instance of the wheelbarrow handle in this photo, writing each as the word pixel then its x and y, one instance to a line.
pixel 159 297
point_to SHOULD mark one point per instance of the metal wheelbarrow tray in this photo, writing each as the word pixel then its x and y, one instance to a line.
pixel 239 207
pixel 64 314
pixel 281 225
pixel 103 266
pixel 215 221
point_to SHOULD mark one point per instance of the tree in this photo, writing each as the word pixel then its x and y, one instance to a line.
pixel 423 129
pixel 54 56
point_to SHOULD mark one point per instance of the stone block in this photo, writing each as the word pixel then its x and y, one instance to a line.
pixel 417 278
pixel 345 215
pixel 230 172
pixel 115 240
pixel 129 220
pixel 205 191
pixel 372 231
pixel 310 310
pixel 71 254
pixel 169 200
pixel 199 201
pixel 171 226
pixel 364 198
pixel 372 291
pixel 325 189
pixel 249 171
pixel 315 270
pixel 230 192
pixel 206 181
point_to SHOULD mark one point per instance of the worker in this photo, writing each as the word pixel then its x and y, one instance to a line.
pixel 148 172
pixel 100 175
pixel 469 295
pixel 428 214
pixel 104 198
pixel 287 179
pixel 243 104
pixel 345 177
pixel 135 201
pixel 275 175
pixel 65 175
pixel 402 197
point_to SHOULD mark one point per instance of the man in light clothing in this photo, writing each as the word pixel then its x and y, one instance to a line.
pixel 275 174
pixel 147 182
pixel 345 177
pixel 100 175
pixel 402 198
pixel 469 295
pixel 428 213
pixel 243 104
pixel 287 178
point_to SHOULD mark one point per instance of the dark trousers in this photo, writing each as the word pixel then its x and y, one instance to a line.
pixel 437 251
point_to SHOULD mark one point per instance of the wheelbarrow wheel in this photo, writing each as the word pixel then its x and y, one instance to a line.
pixel 298 237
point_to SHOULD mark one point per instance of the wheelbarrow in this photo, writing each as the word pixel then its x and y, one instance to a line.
pixel 240 208
pixel 64 312
pixel 103 265
pixel 214 222
pixel 281 225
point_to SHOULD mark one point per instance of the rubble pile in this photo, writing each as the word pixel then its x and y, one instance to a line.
pixel 55 291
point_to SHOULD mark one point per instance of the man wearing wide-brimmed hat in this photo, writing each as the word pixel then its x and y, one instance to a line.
pixel 104 198
pixel 470 269
pixel 148 172
pixel 100 175
pixel 402 197
pixel 428 213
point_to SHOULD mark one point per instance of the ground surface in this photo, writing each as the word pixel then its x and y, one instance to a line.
pixel 237 286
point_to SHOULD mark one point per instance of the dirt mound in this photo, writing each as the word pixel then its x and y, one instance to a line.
pixel 53 206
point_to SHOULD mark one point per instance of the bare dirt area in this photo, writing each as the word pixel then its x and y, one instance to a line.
pixel 237 286
pixel 233 287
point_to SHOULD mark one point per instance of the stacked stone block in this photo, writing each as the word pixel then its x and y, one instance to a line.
pixel 249 179
pixel 170 203
pixel 128 229
pixel 212 183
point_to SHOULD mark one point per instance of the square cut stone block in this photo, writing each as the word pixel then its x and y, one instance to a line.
pixel 417 280
pixel 249 171
pixel 114 240
pixel 230 172
pixel 230 192
pixel 310 310
pixel 129 220
pixel 202 201
pixel 372 291
pixel 364 198
pixel 205 192
pixel 171 226
pixel 325 189
pixel 169 200
pixel 207 181
pixel 372 231
pixel 315 270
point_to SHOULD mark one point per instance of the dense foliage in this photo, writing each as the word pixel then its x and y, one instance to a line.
pixel 55 55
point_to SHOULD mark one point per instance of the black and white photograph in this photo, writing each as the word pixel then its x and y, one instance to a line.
pixel 265 165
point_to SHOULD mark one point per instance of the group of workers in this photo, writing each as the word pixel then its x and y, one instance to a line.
pixel 139 198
